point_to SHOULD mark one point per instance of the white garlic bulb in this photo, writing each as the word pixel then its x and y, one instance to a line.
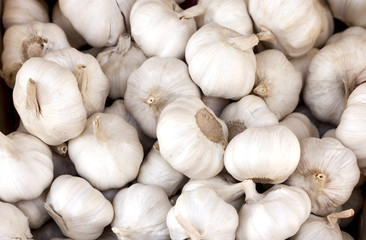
pixel 221 61
pixel 48 101
pixel 140 213
pixel 119 62
pixel 188 122
pixel 79 210
pixel 215 104
pixel 22 42
pixel 201 214
pixel 300 125
pixel 246 158
pixel 349 12
pixel 13 223
pixel 276 214
pixel 293 35
pixel 125 7
pixel 155 84
pixel 350 31
pixel 100 23
pixel 92 82
pixel 301 64
pixel 23 155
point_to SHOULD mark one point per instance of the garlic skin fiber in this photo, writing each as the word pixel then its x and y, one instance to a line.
pixel 300 125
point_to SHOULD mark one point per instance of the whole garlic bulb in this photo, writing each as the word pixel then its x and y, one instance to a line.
pixel 79 210
pixel 24 155
pixel 246 158
pixel 107 153
pixel 300 125
pixel 201 214
pixel 221 61
pixel 350 31
pixel 48 101
pixel 188 122
pixel 301 64
pixel 140 213
pixel 155 84
pixel 349 12
pixel 216 104
pixel 119 62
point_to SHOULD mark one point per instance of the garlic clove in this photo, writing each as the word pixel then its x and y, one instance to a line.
pixel 350 31
pixel 300 125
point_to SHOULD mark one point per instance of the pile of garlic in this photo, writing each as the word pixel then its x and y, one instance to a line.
pixel 171 119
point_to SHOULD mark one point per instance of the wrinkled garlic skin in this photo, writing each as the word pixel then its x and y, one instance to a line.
pixel 221 61
pixel 188 122
pixel 327 171
pixel 155 170
pixel 350 12
pixel 300 125
pixel 247 112
pixel 276 214
pixel 277 82
pixel 216 104
pixel 284 24
pixel 26 167
pixel 13 223
pixel 22 42
pixel 92 82
pixel 100 23
pixel 350 31
pixel 149 28
pixel 202 214
pixel 155 84
pixel 334 72
pixel 119 62
pixel 246 158
pixel 107 153
pixel 80 211
pixel 48 101
pixel 301 64
pixel 125 7
pixel 232 14
pixel 140 213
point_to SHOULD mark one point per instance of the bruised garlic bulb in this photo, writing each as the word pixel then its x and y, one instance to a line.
pixel 48 101
pixel 119 62
pixel 350 12
pixel 155 84
pixel 277 82
pixel 215 104
pixel 188 122
pixel 301 64
pixel 246 158
pixel 201 214
pixel 22 42
pixel 358 31
pixel 300 125
pixel 100 23
pixel 92 82
pixel 293 35
pixel 26 167
pixel 221 61
pixel 79 210
pixel 140 213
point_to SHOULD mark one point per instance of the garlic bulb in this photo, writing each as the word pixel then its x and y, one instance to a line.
pixel 92 82
pixel 276 214
pixel 316 227
pixel 149 28
pixel 48 101
pixel 327 171
pixel 246 158
pixel 140 213
pixel 293 35
pixel 100 23
pixel 23 155
pixel 62 165
pixel 125 7
pixel 79 210
pixel 349 12
pixel 20 12
pixel 300 125
pixel 155 170
pixel 119 62
pixel 202 214
pixel 249 111
pixel 333 74
pixel 277 82
pixel 107 153
pixel 351 31
pixel 215 104
pixel 301 64
pixel 221 61
pixel 22 42
pixel 13 223
pixel 188 122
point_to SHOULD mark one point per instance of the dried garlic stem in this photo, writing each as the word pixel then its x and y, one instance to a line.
pixel 124 44
pixel 243 43
pixel 231 192
pixel 251 194
pixel 190 230
pixel 82 78
pixel 58 218
pixel 261 90
pixel 265 35
pixel 192 12
pixel 32 101
pixel 98 129
pixel 121 232
pixel 60 149
pixel 318 180
pixel 333 217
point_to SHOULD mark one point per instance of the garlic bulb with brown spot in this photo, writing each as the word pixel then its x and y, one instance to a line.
pixel 300 125
pixel 216 104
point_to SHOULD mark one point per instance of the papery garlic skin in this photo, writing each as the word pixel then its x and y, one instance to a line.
pixel 350 31
pixel 202 214
pixel 300 125
pixel 47 99
pixel 188 122
pixel 216 104
pixel 349 12
pixel 140 213
pixel 221 61
pixel 13 223
pixel 79 210
pixel 301 64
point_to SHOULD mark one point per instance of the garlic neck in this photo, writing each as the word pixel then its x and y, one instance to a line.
pixel 251 194
pixel 32 100
pixel 32 47
pixel 124 44
pixel 188 228
pixel 7 144
pixel 231 192
pixel 98 129
pixel 122 233
pixel 243 43
pixel 81 78
pixel 192 12
pixel 266 35
pixel 261 90
pixel 333 217
pixel 56 216
pixel 317 181
pixel 60 149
